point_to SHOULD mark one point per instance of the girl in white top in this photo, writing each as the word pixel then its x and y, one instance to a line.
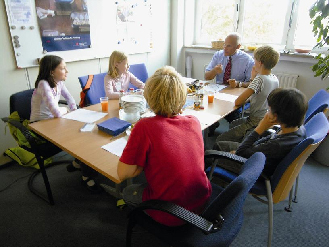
pixel 118 76
pixel 49 87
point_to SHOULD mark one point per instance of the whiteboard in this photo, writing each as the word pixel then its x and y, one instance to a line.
pixel 106 33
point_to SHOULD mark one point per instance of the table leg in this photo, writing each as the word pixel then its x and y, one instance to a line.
pixel 114 191
pixel 205 137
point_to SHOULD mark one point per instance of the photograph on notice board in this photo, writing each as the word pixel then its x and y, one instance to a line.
pixel 133 22
pixel 20 12
pixel 64 24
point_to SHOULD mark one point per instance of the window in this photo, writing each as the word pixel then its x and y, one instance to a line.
pixel 304 37
pixel 265 21
pixel 216 20
pixel 285 24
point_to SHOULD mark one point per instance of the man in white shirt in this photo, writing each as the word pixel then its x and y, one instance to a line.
pixel 241 62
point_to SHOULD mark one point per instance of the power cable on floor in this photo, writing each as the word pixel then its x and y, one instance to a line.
pixel 7 187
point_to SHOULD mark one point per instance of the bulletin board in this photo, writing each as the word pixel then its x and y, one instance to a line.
pixel 114 25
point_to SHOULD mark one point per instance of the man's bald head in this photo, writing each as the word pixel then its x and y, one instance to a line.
pixel 232 43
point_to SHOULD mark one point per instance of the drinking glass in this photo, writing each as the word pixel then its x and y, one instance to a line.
pixel 105 104
pixel 211 97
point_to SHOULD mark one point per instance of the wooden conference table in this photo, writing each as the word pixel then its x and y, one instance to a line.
pixel 86 146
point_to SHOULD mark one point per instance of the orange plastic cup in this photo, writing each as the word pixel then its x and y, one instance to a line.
pixel 211 98
pixel 105 104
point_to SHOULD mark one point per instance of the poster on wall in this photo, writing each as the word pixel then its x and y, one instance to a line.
pixel 64 24
pixel 134 18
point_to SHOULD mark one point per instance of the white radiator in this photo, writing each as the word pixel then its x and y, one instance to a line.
pixel 286 80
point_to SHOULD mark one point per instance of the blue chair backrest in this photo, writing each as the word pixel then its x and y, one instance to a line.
pixel 316 130
pixel 140 71
pixel 21 102
pixel 318 103
pixel 230 201
pixel 96 89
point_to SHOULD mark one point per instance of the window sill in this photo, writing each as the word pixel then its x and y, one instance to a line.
pixel 294 57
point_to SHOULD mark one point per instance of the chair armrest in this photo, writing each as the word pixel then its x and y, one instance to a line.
pixel 224 155
pixel 62 102
pixel 5 119
pixel 25 131
pixel 15 123
pixel 191 218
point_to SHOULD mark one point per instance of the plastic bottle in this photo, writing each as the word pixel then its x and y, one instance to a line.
pixel 121 93
pixel 196 105
pixel 131 91
pixel 201 95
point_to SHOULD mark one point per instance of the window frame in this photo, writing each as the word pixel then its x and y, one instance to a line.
pixel 287 42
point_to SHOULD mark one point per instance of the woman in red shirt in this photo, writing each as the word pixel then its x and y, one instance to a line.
pixel 168 148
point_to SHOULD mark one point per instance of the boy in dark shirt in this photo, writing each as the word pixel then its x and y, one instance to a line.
pixel 287 107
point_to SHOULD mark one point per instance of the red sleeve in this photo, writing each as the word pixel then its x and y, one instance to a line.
pixel 137 148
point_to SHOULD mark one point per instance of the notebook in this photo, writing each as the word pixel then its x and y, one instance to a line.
pixel 113 126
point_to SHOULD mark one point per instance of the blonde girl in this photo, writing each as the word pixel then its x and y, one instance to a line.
pixel 118 76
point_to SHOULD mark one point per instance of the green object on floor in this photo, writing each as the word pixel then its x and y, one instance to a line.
pixel 121 203
pixel 22 156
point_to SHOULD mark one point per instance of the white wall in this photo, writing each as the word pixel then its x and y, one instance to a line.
pixel 15 80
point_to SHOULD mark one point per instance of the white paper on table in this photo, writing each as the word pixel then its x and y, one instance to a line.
pixel 212 87
pixel 226 97
pixel 85 116
pixel 187 80
pixel 205 119
pixel 116 147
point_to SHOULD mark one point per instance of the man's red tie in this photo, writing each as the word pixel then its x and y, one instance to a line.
pixel 227 73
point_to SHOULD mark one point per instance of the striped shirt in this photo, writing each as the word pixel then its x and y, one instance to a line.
pixel 262 85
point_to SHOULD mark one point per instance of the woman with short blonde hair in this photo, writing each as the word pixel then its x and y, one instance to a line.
pixel 165 92
pixel 168 148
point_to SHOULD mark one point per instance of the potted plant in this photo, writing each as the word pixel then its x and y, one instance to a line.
pixel 319 18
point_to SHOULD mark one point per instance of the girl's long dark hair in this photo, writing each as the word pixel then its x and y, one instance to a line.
pixel 47 65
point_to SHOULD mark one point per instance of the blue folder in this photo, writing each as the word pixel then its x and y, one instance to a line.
pixel 113 126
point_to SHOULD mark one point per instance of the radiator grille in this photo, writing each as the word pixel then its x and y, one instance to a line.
pixel 286 80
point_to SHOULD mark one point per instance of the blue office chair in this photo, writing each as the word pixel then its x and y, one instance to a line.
pixel 140 71
pixel 318 103
pixel 277 187
pixel 95 91
pixel 35 144
pixel 217 226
